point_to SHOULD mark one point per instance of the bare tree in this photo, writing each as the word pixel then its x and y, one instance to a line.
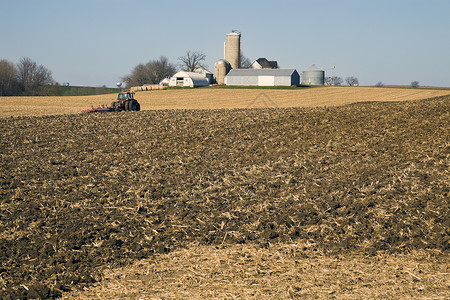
pixel 9 86
pixel 192 60
pixel 352 81
pixel 162 68
pixel 32 77
pixel 329 80
pixel 245 61
pixel 150 73
pixel 415 84
pixel 379 84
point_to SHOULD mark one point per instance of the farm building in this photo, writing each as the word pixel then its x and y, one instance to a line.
pixel 313 76
pixel 188 79
pixel 232 49
pixel 206 73
pixel 221 69
pixel 165 81
pixel 263 63
pixel 263 77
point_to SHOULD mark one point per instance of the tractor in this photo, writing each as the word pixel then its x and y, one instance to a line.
pixel 125 101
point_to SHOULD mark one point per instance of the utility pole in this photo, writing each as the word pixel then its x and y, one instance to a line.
pixel 334 72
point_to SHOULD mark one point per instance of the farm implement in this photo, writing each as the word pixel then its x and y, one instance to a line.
pixel 125 102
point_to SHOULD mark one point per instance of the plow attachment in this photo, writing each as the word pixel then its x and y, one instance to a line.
pixel 99 108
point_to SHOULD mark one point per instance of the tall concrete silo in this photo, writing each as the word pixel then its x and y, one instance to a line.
pixel 233 49
pixel 313 76
pixel 221 69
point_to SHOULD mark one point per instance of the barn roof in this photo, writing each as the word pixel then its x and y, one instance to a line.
pixel 202 70
pixel 193 75
pixel 266 64
pixel 261 72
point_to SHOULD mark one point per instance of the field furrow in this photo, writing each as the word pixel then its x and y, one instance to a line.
pixel 217 98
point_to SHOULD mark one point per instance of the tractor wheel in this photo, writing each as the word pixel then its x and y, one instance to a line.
pixel 138 106
pixel 128 105
pixel 132 105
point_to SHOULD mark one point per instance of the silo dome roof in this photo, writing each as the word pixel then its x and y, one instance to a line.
pixel 314 68
pixel 222 62
pixel 235 32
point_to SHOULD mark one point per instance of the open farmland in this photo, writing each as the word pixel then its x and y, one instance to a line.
pixel 250 203
pixel 217 98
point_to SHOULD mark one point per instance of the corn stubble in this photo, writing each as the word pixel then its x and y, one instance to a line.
pixel 211 98
pixel 85 194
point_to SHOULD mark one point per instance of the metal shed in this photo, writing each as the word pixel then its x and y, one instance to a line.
pixel 191 79
pixel 263 77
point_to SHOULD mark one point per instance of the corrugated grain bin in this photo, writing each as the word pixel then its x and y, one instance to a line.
pixel 313 76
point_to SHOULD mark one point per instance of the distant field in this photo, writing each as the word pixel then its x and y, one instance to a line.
pixel 210 98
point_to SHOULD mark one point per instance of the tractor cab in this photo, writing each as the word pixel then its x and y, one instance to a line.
pixel 124 96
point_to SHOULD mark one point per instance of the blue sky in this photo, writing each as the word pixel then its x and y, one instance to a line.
pixel 96 42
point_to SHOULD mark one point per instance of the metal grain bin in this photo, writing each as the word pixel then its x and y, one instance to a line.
pixel 313 76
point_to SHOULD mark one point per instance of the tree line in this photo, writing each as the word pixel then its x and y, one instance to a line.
pixel 338 81
pixel 26 78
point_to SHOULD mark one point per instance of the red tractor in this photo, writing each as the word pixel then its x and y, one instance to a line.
pixel 125 101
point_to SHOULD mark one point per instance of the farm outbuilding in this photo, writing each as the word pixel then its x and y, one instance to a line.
pixel 221 69
pixel 232 49
pixel 206 73
pixel 188 79
pixel 263 63
pixel 165 81
pixel 263 77
pixel 313 76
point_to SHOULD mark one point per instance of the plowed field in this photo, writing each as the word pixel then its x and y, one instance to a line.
pixel 84 192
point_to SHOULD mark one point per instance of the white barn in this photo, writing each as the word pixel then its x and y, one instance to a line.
pixel 188 79
pixel 263 77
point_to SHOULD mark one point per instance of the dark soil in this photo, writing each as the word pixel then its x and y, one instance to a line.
pixel 81 192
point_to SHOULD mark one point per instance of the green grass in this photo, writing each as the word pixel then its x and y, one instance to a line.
pixel 84 91
pixel 59 90
pixel 262 87
pixel 251 87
